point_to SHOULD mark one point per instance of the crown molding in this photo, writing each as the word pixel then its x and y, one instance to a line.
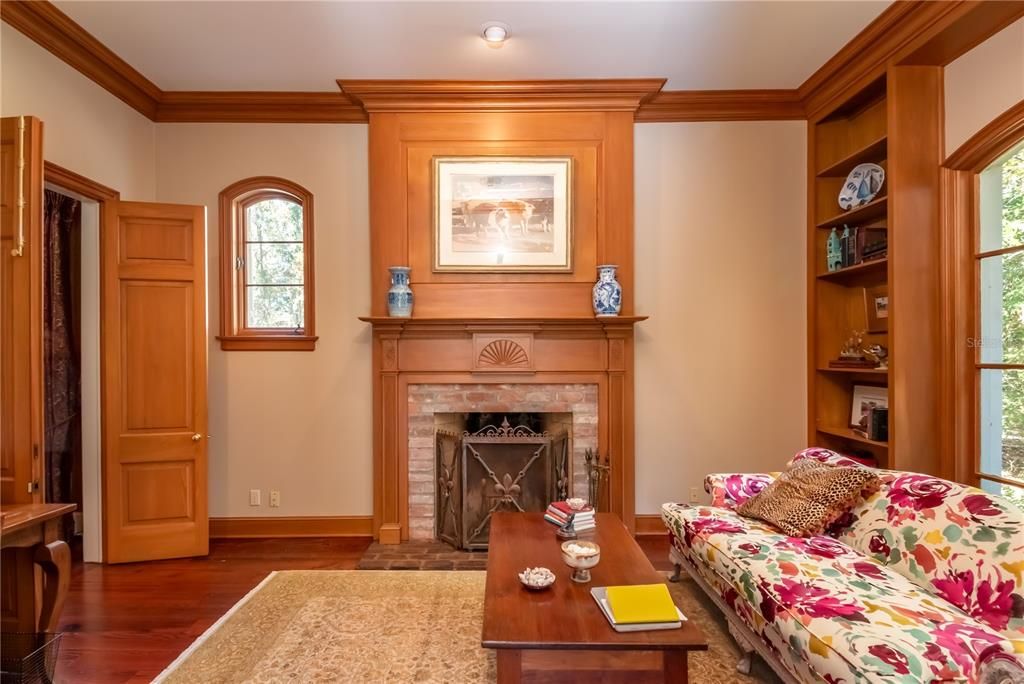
pixel 722 105
pixel 56 32
pixel 623 95
pixel 258 107
pixel 910 32
pixel 905 32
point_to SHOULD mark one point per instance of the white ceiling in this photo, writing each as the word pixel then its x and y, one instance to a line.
pixel 245 45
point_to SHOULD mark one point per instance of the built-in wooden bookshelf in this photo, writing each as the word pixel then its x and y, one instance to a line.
pixel 872 124
pixel 854 133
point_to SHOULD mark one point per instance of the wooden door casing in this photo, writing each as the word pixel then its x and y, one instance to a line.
pixel 154 382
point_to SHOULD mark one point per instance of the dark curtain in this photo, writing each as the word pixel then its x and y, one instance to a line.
pixel 61 227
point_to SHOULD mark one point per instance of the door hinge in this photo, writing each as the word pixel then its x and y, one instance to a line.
pixel 239 263
pixel 33 486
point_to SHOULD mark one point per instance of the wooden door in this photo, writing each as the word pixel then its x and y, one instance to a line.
pixel 154 381
pixel 21 309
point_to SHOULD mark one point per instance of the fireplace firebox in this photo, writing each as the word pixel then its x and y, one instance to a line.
pixel 496 467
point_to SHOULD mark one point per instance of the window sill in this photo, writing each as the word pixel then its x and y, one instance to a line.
pixel 268 342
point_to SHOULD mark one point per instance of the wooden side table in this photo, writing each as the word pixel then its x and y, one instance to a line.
pixel 37 566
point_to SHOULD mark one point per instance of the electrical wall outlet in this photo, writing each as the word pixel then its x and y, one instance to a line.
pixel 254 497
pixel 694 494
pixel 275 498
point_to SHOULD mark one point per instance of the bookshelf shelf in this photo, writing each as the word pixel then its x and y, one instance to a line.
pixel 874 151
pixel 876 208
pixel 860 271
pixel 848 433
pixel 856 371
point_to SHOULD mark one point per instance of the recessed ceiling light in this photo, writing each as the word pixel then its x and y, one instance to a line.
pixel 495 33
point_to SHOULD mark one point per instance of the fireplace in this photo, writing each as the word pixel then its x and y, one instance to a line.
pixel 429 369
pixel 489 467
pixel 442 417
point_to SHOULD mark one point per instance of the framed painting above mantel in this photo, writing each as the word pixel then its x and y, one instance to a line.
pixel 503 214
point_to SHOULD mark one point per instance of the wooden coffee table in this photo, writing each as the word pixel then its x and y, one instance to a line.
pixel 561 632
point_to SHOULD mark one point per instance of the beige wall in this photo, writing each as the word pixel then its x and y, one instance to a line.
pixel 983 84
pixel 86 129
pixel 298 422
pixel 721 271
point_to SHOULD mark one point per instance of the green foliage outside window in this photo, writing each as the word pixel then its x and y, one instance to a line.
pixel 274 265
pixel 1013 323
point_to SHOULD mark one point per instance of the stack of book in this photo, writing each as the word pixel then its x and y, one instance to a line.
pixel 559 511
pixel 638 608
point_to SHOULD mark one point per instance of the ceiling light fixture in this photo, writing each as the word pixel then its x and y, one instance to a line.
pixel 495 33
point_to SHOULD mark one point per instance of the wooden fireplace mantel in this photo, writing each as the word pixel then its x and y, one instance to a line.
pixel 538 323
pixel 517 350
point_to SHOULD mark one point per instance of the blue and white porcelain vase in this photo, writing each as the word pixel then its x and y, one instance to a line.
pixel 400 294
pixel 607 292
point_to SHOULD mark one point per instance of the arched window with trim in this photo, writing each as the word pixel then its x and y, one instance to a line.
pixel 985 191
pixel 266 262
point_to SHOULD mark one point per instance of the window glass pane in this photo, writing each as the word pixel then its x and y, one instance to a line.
pixel 273 220
pixel 274 263
pixel 1002 309
pixel 1002 423
pixel 274 306
pixel 1002 202
pixel 1011 492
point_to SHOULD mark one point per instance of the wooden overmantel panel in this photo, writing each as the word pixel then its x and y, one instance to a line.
pixel 402 147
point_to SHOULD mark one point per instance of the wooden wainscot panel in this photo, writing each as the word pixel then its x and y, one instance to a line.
pixel 518 300
pixel 502 353
pixel 432 355
pixel 566 353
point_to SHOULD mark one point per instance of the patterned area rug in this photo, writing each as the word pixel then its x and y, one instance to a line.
pixel 380 626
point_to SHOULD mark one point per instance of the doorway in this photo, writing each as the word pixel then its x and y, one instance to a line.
pixel 71 353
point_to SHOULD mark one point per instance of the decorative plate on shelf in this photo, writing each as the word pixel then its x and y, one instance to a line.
pixel 861 186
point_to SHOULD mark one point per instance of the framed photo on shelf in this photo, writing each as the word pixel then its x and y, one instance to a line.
pixel 876 308
pixel 865 398
pixel 503 214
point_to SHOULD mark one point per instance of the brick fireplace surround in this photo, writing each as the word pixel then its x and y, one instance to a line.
pixel 426 400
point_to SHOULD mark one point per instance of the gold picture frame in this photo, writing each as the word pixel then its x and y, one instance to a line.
pixel 503 214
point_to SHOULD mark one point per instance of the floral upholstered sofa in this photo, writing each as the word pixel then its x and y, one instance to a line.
pixel 922 581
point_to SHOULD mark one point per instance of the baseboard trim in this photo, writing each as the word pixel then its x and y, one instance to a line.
pixel 650 525
pixel 292 526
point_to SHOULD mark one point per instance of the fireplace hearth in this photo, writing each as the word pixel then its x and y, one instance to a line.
pixel 494 468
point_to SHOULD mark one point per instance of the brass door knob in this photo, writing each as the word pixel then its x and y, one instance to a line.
pixel 196 437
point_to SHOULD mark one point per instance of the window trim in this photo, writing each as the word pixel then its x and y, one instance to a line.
pixel 962 255
pixel 234 199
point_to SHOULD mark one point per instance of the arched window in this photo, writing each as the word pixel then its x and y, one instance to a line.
pixel 985 205
pixel 266 262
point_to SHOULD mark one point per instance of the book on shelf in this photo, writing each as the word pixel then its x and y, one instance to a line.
pixel 673 617
pixel 862 243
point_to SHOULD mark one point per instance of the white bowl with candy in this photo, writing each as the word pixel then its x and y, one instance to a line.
pixel 537 579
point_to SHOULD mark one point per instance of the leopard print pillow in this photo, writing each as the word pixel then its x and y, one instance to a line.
pixel 809 497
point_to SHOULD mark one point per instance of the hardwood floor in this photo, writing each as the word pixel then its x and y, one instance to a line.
pixel 125 623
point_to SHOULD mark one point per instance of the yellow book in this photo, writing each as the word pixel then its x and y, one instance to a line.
pixel 639 603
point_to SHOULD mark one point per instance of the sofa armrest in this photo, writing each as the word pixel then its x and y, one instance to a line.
pixel 729 490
